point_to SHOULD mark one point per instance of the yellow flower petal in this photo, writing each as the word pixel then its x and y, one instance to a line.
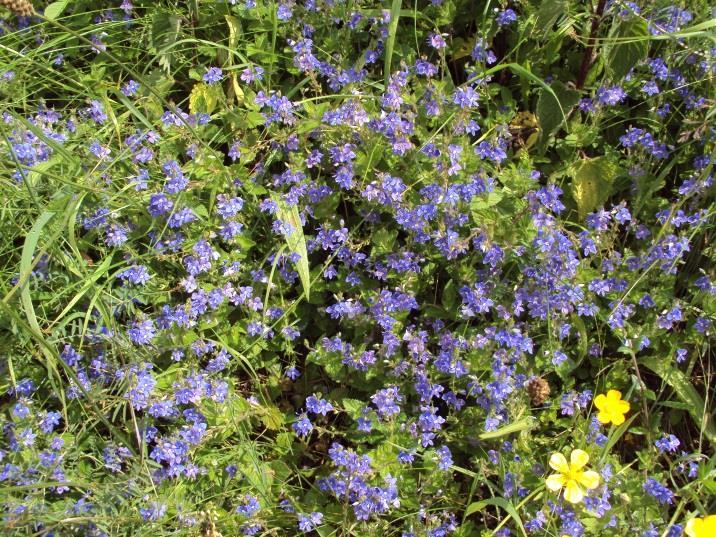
pixel 604 417
pixel 600 401
pixel 589 479
pixel 623 407
pixel 614 395
pixel 555 482
pixel 558 462
pixel 578 459
pixel 701 527
pixel 573 493
pixel 617 418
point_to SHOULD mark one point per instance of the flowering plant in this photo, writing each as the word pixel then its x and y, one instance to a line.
pixel 350 268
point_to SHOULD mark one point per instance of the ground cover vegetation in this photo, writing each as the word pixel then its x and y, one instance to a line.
pixel 357 268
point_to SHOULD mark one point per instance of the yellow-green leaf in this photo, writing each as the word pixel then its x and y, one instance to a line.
pixel 296 241
pixel 204 98
pixel 592 181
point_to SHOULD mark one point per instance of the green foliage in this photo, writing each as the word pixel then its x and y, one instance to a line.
pixel 266 252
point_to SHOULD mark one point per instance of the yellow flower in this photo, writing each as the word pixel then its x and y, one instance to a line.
pixel 611 407
pixel 701 527
pixel 570 476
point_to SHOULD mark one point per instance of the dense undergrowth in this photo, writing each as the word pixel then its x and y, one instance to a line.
pixel 343 267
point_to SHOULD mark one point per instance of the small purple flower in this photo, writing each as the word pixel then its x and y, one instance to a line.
pixel 610 95
pixel 436 41
pixel 249 506
pixel 444 458
pixel 154 512
pixel 309 522
pixel 316 405
pixel 251 74
pixel 142 332
pixel 96 112
pixel 667 443
pixel 655 489
pixel 506 17
pixel 302 426
pixel 465 97
pixel 213 75
pixel 130 88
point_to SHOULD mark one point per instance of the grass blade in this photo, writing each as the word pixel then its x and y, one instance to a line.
pixel 390 43
pixel 687 393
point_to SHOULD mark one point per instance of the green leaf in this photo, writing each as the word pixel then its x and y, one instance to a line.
pixel 253 119
pixel 592 181
pixel 686 392
pixel 624 56
pixel 614 437
pixel 234 30
pixel 383 240
pixel 511 428
pixel 271 417
pixel 28 250
pixel 524 73
pixel 497 502
pixel 296 241
pixel 552 107
pixel 204 98
pixel 484 202
pixel 392 30
pixel 449 296
pixel 165 33
pixel 548 13
pixel 55 9
pixel 353 407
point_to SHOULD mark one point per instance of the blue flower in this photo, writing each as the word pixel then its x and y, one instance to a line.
pixel 213 75
pixel 302 426
pixel 154 512
pixel 465 97
pixel 316 405
pixel 655 489
pixel 444 458
pixel 508 16
pixel 310 522
pixel 668 443
pixel 130 88
pixel 249 506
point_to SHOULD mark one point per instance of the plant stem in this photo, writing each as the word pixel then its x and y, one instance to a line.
pixel 589 51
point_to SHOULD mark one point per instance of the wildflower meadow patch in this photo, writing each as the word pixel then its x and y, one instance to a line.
pixel 413 268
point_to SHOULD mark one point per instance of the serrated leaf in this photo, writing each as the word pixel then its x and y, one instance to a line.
pixel 271 417
pixel 204 98
pixel 592 181
pixel 165 33
pixel 553 107
pixel 353 406
pixel 548 13
pixel 296 241
pixel 383 240
pixel 484 202
pixel 253 119
pixel 624 56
